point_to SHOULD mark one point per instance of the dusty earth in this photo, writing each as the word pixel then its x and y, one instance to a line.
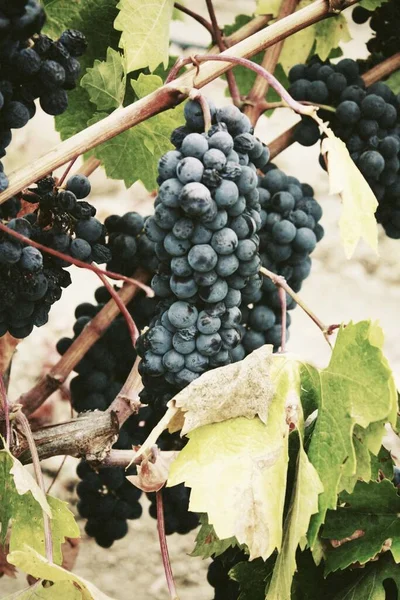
pixel 338 290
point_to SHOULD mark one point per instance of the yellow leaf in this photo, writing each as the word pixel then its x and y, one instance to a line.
pixel 359 203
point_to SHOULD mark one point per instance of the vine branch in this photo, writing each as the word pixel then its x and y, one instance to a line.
pixel 163 98
pixel 230 77
pixel 50 382
pixel 258 92
pixel 164 547
pixel 196 17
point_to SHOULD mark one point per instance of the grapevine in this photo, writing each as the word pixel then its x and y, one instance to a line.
pixel 186 400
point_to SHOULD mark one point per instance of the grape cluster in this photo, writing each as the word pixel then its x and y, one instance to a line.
pixel 366 119
pixel 129 245
pixel 289 233
pixel 385 23
pixel 31 281
pixel 32 66
pixel 107 500
pixel 101 375
pixel 225 588
pixel 207 214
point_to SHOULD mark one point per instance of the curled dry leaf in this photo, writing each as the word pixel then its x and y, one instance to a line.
pixel 243 389
pixel 354 536
pixel 153 471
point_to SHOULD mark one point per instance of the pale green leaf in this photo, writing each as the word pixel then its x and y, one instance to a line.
pixel 297 47
pixel 245 462
pixel 372 4
pixel 357 387
pixel 32 563
pixel 207 542
pixel 62 590
pixel 394 82
pixel 268 7
pixel 145 32
pixel 304 503
pixel 359 204
pixel 28 525
pixel 373 511
pixel 329 33
pixel 134 154
pixel 105 82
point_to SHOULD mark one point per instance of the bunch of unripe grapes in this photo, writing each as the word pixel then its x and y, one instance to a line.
pixel 32 66
pixel 366 119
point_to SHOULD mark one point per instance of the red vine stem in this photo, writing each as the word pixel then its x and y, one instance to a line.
pixel 230 77
pixel 5 409
pixel 164 547
pixel 67 170
pixel 32 399
pixel 91 267
pixel 196 17
pixel 258 92
pixel 133 330
pixel 166 96
pixel 279 281
pixel 26 429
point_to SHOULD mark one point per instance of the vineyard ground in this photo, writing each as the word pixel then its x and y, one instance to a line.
pixel 331 291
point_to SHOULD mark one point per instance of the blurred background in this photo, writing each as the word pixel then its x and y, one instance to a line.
pixel 338 290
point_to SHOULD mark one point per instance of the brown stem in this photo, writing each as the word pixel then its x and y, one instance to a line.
pixel 230 77
pixel 163 98
pixel 89 166
pixel 90 436
pixel 60 468
pixel 283 141
pixel 5 409
pixel 196 17
pixel 164 547
pixel 67 170
pixel 121 458
pixel 23 422
pixel 133 330
pixel 127 401
pixel 8 345
pixel 279 281
pixel 259 90
pixel 91 333
pixel 384 69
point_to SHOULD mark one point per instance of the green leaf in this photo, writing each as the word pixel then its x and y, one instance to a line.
pixel 133 155
pixel 304 503
pixel 28 525
pixel 372 510
pixel 372 4
pixel 95 19
pixel 268 7
pixel 369 585
pixel 17 487
pixel 145 32
pixel 105 82
pixel 207 542
pixel 59 13
pixel 297 47
pixel 394 82
pixel 36 565
pixel 357 387
pixel 357 219
pixel 329 33
pixel 251 577
pixel 381 465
